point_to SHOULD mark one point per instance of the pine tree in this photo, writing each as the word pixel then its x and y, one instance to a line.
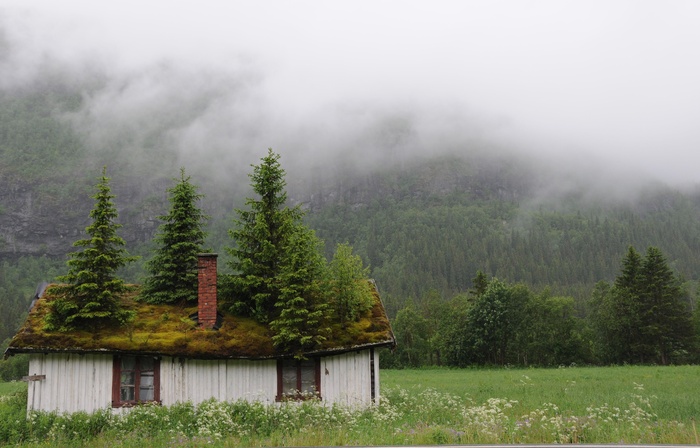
pixel 643 319
pixel 91 295
pixel 666 325
pixel 280 275
pixel 301 322
pixel 624 333
pixel 261 236
pixel 173 270
pixel 631 270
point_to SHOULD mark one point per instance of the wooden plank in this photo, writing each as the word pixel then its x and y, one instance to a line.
pixel 33 378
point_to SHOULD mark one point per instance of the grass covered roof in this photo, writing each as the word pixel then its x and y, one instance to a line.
pixel 168 330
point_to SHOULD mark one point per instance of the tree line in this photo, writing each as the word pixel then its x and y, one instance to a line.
pixel 643 317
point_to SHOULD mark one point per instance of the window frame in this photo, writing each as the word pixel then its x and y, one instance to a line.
pixel 299 396
pixel 116 381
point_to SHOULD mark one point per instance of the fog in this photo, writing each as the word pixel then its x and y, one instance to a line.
pixel 605 89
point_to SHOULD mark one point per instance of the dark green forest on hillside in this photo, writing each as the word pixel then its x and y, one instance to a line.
pixel 443 241
pixel 425 229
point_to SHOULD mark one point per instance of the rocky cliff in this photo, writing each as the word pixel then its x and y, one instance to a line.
pixel 46 219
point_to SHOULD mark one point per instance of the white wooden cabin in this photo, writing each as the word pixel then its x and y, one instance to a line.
pixel 69 373
pixel 70 382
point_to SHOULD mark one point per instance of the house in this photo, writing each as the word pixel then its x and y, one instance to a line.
pixel 171 354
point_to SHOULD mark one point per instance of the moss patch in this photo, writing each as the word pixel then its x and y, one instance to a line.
pixel 168 330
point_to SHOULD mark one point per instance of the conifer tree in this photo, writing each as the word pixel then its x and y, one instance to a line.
pixel 173 269
pixel 301 322
pixel 260 237
pixel 642 318
pixel 666 324
pixel 91 295
pixel 631 270
pixel 624 326
pixel 280 275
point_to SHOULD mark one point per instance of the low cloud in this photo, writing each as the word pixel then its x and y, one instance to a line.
pixel 604 94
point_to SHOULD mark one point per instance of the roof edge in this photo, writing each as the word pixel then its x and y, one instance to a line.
pixel 10 351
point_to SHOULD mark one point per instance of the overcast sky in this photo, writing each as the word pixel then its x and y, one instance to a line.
pixel 615 82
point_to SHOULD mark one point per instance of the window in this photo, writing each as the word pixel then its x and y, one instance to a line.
pixel 298 379
pixel 135 379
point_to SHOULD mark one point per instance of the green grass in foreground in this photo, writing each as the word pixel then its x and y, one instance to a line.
pixel 574 405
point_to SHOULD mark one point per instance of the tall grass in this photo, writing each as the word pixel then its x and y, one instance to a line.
pixel 583 405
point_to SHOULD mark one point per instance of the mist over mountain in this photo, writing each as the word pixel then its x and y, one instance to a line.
pixel 600 91
pixel 367 162
pixel 63 124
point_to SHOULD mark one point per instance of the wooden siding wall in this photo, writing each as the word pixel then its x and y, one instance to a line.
pixel 84 382
pixel 73 382
pixel 346 379
pixel 227 380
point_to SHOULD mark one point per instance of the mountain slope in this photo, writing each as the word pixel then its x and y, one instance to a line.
pixel 425 223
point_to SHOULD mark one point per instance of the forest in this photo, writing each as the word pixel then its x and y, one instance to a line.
pixel 453 240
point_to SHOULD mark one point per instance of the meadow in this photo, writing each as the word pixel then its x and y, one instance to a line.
pixel 629 404
pixel 12 387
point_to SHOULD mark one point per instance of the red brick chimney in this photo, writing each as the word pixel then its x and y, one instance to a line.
pixel 206 290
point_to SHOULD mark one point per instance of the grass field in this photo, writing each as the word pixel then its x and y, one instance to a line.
pixel 10 388
pixel 674 392
pixel 633 405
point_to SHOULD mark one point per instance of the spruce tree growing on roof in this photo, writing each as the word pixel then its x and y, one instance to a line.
pixel 280 275
pixel 301 321
pixel 261 236
pixel 173 269
pixel 91 294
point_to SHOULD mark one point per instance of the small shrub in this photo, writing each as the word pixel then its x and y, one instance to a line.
pixel 14 368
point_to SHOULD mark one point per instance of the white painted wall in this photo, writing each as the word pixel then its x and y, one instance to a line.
pixel 84 382
pixel 227 380
pixel 73 382
pixel 346 378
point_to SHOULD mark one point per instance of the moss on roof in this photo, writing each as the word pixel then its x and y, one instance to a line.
pixel 168 330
